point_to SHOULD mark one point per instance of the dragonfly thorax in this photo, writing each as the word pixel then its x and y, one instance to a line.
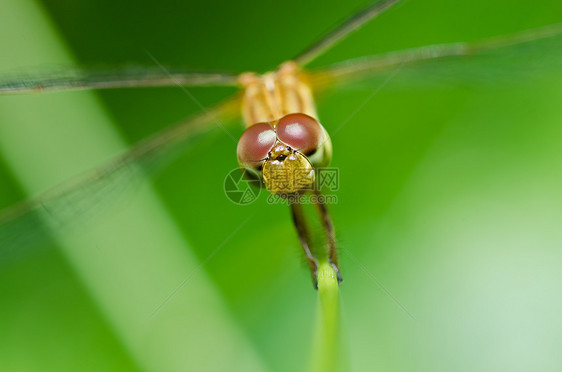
pixel 275 94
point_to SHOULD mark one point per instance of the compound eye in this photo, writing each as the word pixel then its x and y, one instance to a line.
pixel 301 132
pixel 254 144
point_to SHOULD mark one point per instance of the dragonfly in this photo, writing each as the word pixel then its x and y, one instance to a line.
pixel 283 132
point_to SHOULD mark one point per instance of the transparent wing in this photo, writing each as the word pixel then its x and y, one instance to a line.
pixel 343 30
pixel 64 79
pixel 497 59
pixel 89 194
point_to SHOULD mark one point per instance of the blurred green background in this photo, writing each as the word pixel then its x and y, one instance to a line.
pixel 449 196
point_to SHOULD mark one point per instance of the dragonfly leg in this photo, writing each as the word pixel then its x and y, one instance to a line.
pixel 329 227
pixel 304 238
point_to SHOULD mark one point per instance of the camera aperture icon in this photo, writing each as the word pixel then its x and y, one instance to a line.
pixel 240 187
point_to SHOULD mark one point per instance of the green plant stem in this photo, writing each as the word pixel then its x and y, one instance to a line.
pixel 325 355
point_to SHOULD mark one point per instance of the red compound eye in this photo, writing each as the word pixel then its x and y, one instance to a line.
pixel 255 143
pixel 301 132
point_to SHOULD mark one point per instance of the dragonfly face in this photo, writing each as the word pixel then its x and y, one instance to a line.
pixel 284 153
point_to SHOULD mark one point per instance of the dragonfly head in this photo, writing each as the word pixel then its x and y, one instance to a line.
pixel 284 153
